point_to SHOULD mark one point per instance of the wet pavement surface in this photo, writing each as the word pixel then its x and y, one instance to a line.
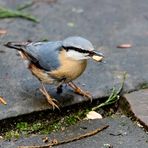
pixel 107 24
pixel 121 133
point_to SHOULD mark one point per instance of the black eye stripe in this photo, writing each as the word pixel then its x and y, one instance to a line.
pixel 77 49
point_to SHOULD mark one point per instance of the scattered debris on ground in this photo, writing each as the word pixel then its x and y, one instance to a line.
pixel 124 46
pixel 93 115
pixel 3 31
pixel 2 100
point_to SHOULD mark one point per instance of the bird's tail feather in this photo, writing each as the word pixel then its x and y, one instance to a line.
pixel 15 45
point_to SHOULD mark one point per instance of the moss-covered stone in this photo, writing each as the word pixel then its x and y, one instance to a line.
pixel 44 126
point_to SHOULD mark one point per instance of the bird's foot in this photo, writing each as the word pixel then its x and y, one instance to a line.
pixel 53 102
pixel 79 91
pixel 83 93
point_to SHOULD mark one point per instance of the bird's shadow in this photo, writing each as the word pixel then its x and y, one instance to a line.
pixel 31 91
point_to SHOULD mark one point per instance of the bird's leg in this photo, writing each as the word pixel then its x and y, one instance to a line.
pixel 59 89
pixel 50 100
pixel 79 91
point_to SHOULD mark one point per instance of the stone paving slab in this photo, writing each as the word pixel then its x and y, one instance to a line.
pixel 137 103
pixel 105 23
pixel 121 133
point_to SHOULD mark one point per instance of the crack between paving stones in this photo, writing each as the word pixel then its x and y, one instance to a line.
pixel 127 110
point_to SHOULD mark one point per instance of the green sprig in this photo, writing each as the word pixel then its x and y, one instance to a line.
pixel 114 97
pixel 8 13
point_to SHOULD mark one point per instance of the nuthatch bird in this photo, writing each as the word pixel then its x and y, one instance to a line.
pixel 58 62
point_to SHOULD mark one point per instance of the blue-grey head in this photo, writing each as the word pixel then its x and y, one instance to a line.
pixel 79 48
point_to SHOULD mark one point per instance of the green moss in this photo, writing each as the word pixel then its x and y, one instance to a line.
pixel 52 127
pixel 71 120
pixel 22 126
pixel 63 123
pixel 143 85
pixel 37 126
pixel 12 134
pixel 45 126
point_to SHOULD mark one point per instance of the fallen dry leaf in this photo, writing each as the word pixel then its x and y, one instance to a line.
pixel 93 115
pixel 3 31
pixel 2 101
pixel 124 46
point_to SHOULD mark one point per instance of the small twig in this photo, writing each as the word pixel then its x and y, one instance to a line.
pixel 56 142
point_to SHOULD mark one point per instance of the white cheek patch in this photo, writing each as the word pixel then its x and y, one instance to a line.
pixel 26 61
pixel 76 55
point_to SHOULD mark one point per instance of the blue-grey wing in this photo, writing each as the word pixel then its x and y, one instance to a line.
pixel 45 54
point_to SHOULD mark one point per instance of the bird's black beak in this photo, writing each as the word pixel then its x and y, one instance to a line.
pixel 97 56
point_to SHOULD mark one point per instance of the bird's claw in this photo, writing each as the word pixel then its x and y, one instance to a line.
pixel 53 102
